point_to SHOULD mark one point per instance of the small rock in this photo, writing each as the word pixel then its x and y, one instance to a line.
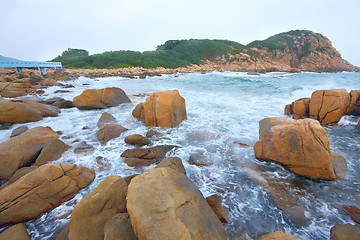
pixel 152 133
pixel 18 131
pixel 16 232
pixel 62 91
pixel 84 149
pixel 215 203
pixel 108 132
pixel 106 118
pixel 59 132
pixel 241 144
pixel 85 128
pixel 137 140
pixel 52 151
pixel 63 104
pixel 50 101
pixel 68 86
pixel 345 232
pixel 40 91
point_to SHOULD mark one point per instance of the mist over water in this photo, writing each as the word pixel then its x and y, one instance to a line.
pixel 221 108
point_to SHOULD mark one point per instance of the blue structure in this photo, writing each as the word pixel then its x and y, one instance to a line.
pixel 20 65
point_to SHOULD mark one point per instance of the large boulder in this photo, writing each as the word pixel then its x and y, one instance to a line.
pixel 301 108
pixel 42 190
pixel 95 209
pixel 52 151
pixel 162 109
pixel 164 204
pixel 302 146
pixel 100 98
pixel 119 228
pixel 21 150
pixel 15 112
pixel 279 235
pixel 109 131
pixel 345 232
pixel 16 232
pixel 328 106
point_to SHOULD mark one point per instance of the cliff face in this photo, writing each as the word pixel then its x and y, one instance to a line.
pixel 290 51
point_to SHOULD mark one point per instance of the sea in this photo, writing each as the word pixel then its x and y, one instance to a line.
pixel 222 107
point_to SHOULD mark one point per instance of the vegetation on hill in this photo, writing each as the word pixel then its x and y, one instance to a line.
pixel 181 53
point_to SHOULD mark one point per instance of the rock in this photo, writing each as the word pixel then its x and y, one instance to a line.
pixel 301 108
pixel 100 98
pixel 53 100
pixel 62 91
pixel 202 159
pixel 145 156
pixel 354 107
pixel 63 104
pixel 345 232
pixel 103 163
pixel 214 202
pixel 52 151
pixel 353 211
pixel 288 109
pixel 137 140
pixel 13 94
pixel 18 131
pixel 16 232
pixel 279 235
pixel 152 133
pixel 119 228
pixel 64 234
pixel 41 190
pixel 174 163
pixel 45 110
pixel 165 204
pixel 162 109
pixel 241 144
pixel 18 174
pixel 328 106
pixel 129 178
pixel 19 151
pixel 108 132
pixel 106 118
pixel 84 149
pixel 14 112
pixel 95 209
pixel 302 146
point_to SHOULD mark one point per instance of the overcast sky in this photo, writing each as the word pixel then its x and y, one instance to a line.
pixel 42 29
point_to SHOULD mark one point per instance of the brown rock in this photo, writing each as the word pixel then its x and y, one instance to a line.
pixel 63 104
pixel 174 163
pixel 45 110
pixel 106 118
pixel 214 202
pixel 84 149
pixel 18 174
pixel 41 190
pixel 162 109
pixel 18 131
pixel 108 132
pixel 358 125
pixel 64 234
pixel 12 94
pixel 279 235
pixel 100 98
pixel 165 204
pixel 139 162
pixel 119 228
pixel 328 106
pixel 14 112
pixel 301 108
pixel 52 151
pixel 16 232
pixel 302 146
pixel 19 151
pixel 354 107
pixel 353 211
pixel 241 144
pixel 95 209
pixel 129 178
pixel 288 109
pixel 345 232
pixel 137 140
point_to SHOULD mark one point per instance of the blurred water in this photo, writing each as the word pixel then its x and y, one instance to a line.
pixel 221 108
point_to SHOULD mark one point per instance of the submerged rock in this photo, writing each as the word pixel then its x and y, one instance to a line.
pixel 84 149
pixel 19 151
pixel 165 204
pixel 95 209
pixel 100 98
pixel 16 232
pixel 41 190
pixel 162 109
pixel 302 146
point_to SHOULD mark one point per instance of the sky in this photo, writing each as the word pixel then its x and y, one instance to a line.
pixel 42 29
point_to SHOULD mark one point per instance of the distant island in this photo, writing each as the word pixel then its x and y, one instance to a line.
pixel 293 51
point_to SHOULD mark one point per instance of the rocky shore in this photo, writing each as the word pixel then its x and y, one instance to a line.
pixel 161 202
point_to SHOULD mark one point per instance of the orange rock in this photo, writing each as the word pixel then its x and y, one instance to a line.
pixel 288 109
pixel 214 202
pixel 100 98
pixel 41 190
pixel 19 151
pixel 162 109
pixel 14 112
pixel 279 235
pixel 16 232
pixel 301 108
pixel 328 106
pixel 353 211
pixel 302 146
pixel 354 107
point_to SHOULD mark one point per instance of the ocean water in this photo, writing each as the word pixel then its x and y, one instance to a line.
pixel 221 108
